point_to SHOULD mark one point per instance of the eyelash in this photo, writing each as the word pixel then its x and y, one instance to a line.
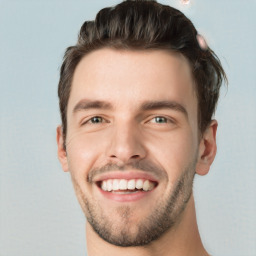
pixel 167 120
pixel 89 121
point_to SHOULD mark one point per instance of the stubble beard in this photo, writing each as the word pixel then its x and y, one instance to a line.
pixel 163 217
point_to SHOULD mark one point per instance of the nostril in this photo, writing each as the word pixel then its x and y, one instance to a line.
pixel 126 159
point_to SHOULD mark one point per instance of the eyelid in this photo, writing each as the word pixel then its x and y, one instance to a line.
pixel 88 119
pixel 168 119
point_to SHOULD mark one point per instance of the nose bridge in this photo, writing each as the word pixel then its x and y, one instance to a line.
pixel 125 142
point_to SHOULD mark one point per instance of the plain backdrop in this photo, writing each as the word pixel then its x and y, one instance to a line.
pixel 39 213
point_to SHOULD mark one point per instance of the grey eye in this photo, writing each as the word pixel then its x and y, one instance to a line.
pixel 96 120
pixel 160 119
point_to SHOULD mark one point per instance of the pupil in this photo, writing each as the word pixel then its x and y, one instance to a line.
pixel 160 119
pixel 96 120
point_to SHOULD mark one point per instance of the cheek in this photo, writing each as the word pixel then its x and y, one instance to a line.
pixel 83 150
pixel 175 152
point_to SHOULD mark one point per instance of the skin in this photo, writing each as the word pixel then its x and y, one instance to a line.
pixel 126 134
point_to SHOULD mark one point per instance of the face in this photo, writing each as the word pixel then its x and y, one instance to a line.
pixel 132 143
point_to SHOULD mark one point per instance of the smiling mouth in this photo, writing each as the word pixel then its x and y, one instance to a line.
pixel 123 186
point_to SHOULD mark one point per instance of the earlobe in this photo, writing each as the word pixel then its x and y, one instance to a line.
pixel 207 149
pixel 62 155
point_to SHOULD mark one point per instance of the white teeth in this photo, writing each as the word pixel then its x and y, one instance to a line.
pixel 122 184
pixel 151 185
pixel 131 184
pixel 146 185
pixel 139 184
pixel 115 184
pixel 109 185
pixel 104 185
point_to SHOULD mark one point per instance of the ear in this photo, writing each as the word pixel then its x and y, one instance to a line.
pixel 62 155
pixel 207 149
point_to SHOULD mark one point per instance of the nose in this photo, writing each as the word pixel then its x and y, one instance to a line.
pixel 126 144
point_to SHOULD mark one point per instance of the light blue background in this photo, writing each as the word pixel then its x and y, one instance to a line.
pixel 39 214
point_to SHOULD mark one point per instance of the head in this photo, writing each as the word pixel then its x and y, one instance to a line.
pixel 137 95
pixel 144 25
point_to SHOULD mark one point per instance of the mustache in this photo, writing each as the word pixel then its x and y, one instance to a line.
pixel 145 165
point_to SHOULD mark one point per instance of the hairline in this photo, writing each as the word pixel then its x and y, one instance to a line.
pixel 128 48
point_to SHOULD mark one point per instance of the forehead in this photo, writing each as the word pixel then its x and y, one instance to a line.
pixel 127 78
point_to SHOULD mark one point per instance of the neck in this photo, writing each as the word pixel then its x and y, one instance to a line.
pixel 182 239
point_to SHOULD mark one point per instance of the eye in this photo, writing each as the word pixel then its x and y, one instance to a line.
pixel 95 120
pixel 160 120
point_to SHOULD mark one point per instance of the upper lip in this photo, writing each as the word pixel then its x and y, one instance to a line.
pixel 127 175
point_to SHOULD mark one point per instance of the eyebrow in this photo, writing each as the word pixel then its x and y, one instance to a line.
pixel 164 104
pixel 86 104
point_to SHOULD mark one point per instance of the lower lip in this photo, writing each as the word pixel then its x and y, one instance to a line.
pixel 135 196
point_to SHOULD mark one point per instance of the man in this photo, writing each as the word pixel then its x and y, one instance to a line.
pixel 137 95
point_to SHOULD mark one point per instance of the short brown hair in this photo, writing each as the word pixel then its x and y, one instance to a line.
pixel 141 25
